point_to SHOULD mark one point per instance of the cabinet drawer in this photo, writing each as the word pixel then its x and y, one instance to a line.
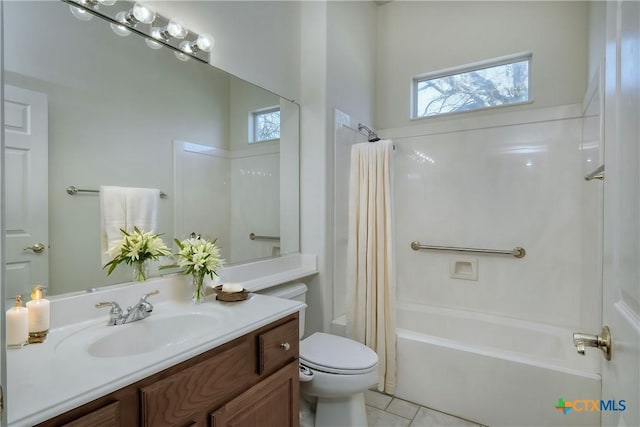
pixel 277 347
pixel 178 398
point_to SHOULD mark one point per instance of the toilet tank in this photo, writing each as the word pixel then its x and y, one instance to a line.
pixel 295 291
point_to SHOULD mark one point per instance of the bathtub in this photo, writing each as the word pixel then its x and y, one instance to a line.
pixel 492 370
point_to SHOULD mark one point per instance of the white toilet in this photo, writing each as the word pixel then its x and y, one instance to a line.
pixel 334 371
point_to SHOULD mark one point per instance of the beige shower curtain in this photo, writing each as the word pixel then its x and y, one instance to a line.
pixel 371 286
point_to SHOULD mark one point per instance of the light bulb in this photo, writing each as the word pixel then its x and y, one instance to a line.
pixel 181 56
pixel 157 33
pixel 120 29
pixel 81 14
pixel 176 29
pixel 205 42
pixel 173 29
pixel 143 14
pixel 186 46
pixel 153 44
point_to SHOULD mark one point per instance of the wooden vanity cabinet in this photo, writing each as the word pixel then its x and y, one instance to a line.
pixel 250 381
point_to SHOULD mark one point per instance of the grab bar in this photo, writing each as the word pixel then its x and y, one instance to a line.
pixel 517 252
pixel 596 174
pixel 253 236
pixel 73 190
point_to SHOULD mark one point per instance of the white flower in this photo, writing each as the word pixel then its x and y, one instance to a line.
pixel 199 256
pixel 136 246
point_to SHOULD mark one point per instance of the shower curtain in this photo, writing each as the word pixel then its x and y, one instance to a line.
pixel 371 286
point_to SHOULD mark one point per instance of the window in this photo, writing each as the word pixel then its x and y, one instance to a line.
pixel 266 125
pixel 493 83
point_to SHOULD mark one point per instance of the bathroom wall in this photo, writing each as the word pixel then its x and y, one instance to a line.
pixel 495 179
pixel 504 181
pixel 255 40
pixel 337 71
pixel 597 36
pixel 313 159
pixel 418 37
pixel 351 90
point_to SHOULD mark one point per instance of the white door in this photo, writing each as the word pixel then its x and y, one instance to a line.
pixel 26 191
pixel 621 266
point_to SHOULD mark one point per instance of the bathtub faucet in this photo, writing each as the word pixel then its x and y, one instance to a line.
pixel 602 341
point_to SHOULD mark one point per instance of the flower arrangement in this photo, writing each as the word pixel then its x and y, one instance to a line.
pixel 198 257
pixel 136 248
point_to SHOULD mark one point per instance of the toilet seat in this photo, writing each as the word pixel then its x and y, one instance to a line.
pixel 336 355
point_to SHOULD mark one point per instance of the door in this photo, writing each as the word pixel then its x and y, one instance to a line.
pixel 621 266
pixel 26 191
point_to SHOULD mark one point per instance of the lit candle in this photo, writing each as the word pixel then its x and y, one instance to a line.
pixel 17 324
pixel 39 313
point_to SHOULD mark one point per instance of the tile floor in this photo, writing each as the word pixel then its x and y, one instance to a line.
pixel 387 411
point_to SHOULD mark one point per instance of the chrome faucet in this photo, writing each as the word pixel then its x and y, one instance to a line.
pixel 140 311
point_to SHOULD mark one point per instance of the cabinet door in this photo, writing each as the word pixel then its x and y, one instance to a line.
pixel 109 416
pixel 182 398
pixel 273 402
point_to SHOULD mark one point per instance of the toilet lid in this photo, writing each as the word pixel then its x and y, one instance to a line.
pixel 334 354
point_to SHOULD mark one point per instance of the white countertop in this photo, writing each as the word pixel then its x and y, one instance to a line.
pixel 45 380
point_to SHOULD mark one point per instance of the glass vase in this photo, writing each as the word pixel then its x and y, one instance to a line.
pixel 140 271
pixel 198 295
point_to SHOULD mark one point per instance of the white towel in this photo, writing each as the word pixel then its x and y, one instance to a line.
pixel 113 217
pixel 142 208
pixel 125 208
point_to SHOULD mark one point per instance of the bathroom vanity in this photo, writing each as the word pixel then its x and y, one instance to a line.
pixel 213 364
pixel 250 381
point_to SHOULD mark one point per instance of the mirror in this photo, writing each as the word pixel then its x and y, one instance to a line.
pixel 87 108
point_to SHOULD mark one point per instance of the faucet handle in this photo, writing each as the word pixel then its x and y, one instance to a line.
pixel 145 296
pixel 115 314
pixel 145 305
pixel 115 307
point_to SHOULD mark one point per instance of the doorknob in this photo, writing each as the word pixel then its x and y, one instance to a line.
pixel 602 341
pixel 37 248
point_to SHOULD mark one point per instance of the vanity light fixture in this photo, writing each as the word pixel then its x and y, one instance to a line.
pixel 126 17
pixel 81 14
pixel 204 43
pixel 120 29
pixel 181 56
pixel 174 28
pixel 153 44
pixel 138 14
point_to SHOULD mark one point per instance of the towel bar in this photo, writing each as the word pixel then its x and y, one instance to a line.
pixel 73 190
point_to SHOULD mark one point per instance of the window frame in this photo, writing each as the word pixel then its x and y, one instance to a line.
pixel 481 65
pixel 253 128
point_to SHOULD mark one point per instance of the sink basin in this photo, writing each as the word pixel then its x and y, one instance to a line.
pixel 143 336
pixel 149 334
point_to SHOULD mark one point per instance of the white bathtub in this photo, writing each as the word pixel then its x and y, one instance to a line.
pixel 492 370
